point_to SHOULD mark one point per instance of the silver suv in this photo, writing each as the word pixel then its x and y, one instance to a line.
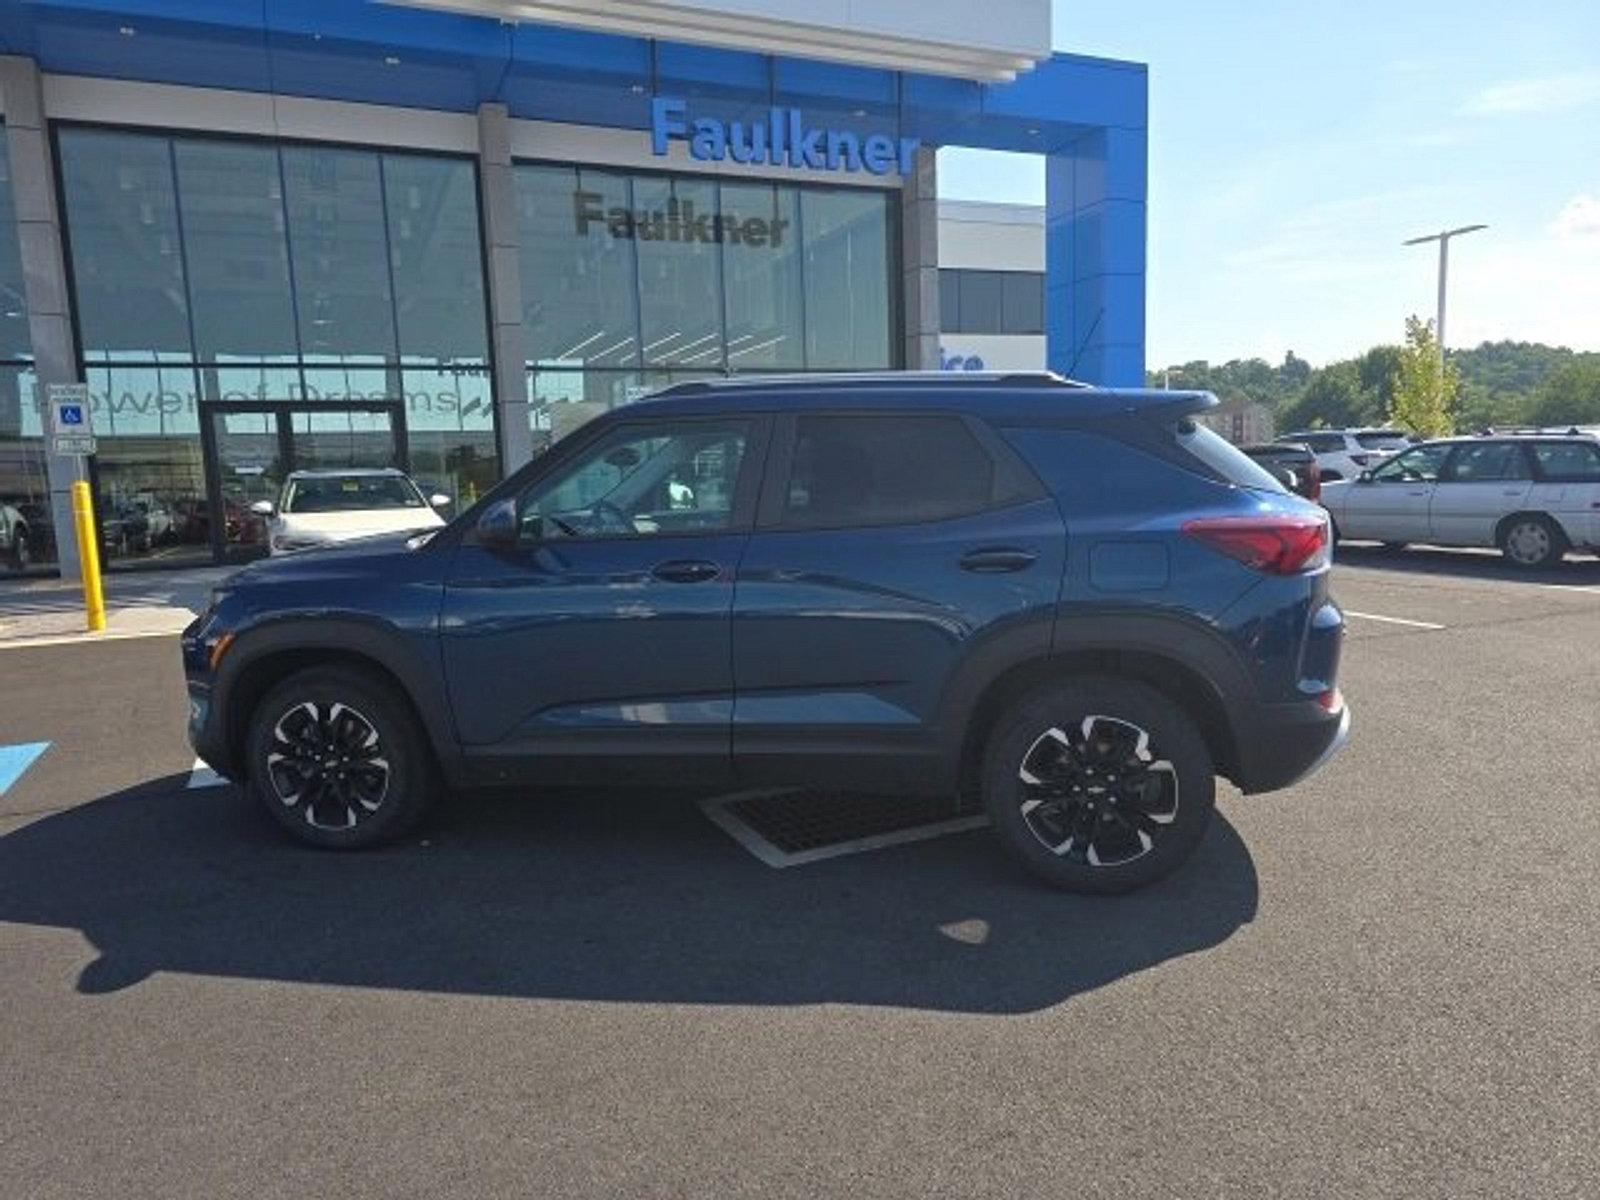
pixel 1345 453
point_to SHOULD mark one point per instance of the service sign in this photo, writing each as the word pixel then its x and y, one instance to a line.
pixel 71 428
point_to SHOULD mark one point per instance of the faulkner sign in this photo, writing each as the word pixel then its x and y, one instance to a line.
pixel 780 139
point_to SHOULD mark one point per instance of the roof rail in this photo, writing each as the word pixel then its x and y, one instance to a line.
pixel 827 379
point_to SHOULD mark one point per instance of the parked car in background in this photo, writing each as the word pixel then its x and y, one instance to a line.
pixel 126 530
pixel 1291 464
pixel 317 508
pixel 859 583
pixel 1345 453
pixel 16 538
pixel 1534 496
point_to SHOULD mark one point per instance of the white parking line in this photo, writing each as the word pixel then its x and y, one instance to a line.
pixel 1393 620
pixel 202 776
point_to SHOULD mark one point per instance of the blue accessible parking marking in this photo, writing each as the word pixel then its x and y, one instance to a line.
pixel 14 760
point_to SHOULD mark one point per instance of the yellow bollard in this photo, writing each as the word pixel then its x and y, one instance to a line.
pixel 94 600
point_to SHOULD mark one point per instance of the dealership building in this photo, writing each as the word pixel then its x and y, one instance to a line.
pixel 271 235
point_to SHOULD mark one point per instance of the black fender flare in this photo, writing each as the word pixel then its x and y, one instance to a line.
pixel 384 645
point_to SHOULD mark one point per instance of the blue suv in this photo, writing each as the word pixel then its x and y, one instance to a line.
pixel 1074 607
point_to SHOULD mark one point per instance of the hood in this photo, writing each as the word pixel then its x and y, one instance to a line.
pixel 338 526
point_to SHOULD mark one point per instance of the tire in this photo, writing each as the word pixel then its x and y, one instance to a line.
pixel 1100 717
pixel 21 556
pixel 1532 541
pixel 347 716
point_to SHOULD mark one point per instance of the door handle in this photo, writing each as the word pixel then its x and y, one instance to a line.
pixel 686 571
pixel 1418 492
pixel 995 559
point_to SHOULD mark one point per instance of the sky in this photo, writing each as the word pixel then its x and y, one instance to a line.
pixel 1294 146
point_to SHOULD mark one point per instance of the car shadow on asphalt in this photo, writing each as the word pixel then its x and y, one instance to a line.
pixel 1466 564
pixel 593 896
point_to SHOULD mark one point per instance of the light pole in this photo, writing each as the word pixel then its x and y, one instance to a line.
pixel 1444 269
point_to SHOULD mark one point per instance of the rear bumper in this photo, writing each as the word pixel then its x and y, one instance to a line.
pixel 1281 744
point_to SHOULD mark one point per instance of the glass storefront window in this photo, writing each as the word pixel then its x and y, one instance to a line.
pixel 765 303
pixel 225 273
pixel 436 259
pixel 580 281
pixel 847 268
pixel 341 270
pixel 231 203
pixel 680 275
pixel 127 259
pixel 27 532
pixel 689 276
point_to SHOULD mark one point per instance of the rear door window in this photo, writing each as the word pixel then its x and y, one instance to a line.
pixel 854 470
pixel 1488 462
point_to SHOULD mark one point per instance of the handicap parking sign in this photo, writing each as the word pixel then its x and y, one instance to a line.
pixel 71 430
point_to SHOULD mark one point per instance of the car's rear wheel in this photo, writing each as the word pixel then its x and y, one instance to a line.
pixel 1532 541
pixel 337 760
pixel 1099 784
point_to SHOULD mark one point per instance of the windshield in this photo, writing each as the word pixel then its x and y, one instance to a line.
pixel 350 493
pixel 1222 457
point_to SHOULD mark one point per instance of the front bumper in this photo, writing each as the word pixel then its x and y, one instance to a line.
pixel 1281 744
pixel 205 726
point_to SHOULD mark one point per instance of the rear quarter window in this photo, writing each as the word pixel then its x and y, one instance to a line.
pixel 1568 462
pixel 1220 457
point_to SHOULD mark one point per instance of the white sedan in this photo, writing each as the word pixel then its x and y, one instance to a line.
pixel 317 508
pixel 1534 496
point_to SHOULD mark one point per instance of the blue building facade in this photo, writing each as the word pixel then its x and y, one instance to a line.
pixel 307 232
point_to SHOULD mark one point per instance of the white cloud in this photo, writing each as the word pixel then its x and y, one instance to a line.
pixel 1549 93
pixel 1578 221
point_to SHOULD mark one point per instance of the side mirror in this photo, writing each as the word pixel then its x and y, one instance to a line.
pixel 440 500
pixel 263 508
pixel 1364 477
pixel 497 526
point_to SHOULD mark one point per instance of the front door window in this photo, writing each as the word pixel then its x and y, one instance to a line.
pixel 633 482
pixel 1421 465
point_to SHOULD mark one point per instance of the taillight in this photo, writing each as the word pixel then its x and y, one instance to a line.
pixel 1284 544
pixel 1314 480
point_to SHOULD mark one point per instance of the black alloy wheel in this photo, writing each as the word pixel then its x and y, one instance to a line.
pixel 1097 794
pixel 1098 784
pixel 328 764
pixel 338 758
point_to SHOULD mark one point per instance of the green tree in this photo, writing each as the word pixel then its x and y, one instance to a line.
pixel 1332 398
pixel 1425 386
pixel 1571 394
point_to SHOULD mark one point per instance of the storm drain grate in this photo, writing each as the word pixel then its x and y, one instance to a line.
pixel 787 828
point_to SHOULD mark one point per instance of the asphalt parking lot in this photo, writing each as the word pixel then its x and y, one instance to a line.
pixel 1384 982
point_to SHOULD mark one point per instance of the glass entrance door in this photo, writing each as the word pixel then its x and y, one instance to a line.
pixel 250 451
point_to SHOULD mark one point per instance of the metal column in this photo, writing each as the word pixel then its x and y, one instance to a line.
pixel 498 203
pixel 919 262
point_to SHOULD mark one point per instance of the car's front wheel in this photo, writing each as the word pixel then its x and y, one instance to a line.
pixel 1532 541
pixel 338 761
pixel 1099 784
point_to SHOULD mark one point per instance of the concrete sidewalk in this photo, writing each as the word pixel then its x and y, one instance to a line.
pixel 147 604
